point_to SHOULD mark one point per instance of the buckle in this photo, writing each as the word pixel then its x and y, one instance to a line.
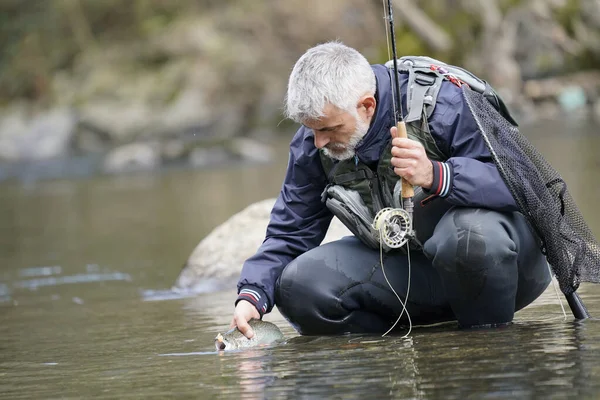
pixel 425 79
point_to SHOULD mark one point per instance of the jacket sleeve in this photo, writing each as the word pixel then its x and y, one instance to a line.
pixel 298 223
pixel 469 176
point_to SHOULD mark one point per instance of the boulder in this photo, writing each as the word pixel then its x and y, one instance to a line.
pixel 132 157
pixel 204 157
pixel 122 121
pixel 217 260
pixel 43 136
pixel 252 150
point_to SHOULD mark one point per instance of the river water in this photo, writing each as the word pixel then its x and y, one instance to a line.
pixel 87 263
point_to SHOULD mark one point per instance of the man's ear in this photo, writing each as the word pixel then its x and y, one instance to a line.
pixel 368 104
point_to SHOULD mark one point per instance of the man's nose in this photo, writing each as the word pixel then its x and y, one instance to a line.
pixel 321 139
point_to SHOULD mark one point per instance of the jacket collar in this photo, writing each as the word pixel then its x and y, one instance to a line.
pixel 370 147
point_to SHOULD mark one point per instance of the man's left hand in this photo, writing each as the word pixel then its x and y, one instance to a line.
pixel 410 162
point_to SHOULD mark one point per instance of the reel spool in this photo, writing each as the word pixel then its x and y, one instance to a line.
pixel 394 226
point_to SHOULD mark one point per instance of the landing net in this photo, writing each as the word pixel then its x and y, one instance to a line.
pixel 542 197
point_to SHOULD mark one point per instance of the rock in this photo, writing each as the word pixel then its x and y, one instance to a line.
pixel 44 136
pixel 132 157
pixel 218 258
pixel 187 36
pixel 12 127
pixel 252 150
pixel 173 150
pixel 590 10
pixel 90 141
pixel 152 107
pixel 122 122
pixel 191 73
pixel 202 157
pixel 187 111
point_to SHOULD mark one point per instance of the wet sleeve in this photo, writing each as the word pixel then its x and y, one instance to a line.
pixel 298 223
pixel 469 177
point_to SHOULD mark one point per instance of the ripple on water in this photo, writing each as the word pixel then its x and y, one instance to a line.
pixel 93 332
pixel 528 359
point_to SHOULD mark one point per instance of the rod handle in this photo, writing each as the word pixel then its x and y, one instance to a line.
pixel 407 189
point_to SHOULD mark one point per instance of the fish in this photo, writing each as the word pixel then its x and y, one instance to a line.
pixel 265 333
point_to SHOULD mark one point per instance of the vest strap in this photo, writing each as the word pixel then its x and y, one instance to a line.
pixel 349 177
pixel 418 84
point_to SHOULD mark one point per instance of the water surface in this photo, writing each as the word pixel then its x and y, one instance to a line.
pixel 85 312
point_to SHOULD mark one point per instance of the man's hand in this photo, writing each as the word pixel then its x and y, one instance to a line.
pixel 410 161
pixel 244 312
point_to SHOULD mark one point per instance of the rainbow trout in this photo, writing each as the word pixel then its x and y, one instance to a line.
pixel 265 333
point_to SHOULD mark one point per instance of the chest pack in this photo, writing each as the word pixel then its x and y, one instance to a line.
pixel 357 192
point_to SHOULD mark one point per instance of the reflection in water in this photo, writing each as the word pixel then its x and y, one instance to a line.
pixel 86 310
pixel 533 360
pixel 251 378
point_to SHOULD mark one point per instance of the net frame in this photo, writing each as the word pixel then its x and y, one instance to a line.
pixel 541 195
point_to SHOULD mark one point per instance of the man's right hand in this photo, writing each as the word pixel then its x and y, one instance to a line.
pixel 244 312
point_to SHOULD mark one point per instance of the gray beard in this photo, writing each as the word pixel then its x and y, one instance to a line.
pixel 345 152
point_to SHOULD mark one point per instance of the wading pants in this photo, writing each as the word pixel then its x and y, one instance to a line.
pixel 478 267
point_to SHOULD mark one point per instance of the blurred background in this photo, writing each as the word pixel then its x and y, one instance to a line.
pixel 145 84
pixel 130 129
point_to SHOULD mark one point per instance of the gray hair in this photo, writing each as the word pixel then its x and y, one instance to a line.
pixel 330 73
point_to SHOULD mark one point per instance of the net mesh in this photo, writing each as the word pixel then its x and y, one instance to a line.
pixel 542 197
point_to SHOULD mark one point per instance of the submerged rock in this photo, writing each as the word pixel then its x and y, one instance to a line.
pixel 218 258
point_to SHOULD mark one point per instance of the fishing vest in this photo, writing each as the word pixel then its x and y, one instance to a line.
pixel 355 192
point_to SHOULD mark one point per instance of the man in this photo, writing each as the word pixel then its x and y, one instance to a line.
pixel 479 261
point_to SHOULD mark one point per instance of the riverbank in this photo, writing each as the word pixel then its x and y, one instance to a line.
pixel 196 84
pixel 547 100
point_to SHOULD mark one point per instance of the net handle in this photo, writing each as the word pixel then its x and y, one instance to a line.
pixel 577 307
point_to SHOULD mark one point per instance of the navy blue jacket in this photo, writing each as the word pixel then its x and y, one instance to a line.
pixel 299 220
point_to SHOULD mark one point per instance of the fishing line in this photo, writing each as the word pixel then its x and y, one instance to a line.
pixel 556 289
pixel 394 291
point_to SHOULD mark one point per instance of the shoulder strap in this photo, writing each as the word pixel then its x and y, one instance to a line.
pixel 425 76
pixel 423 85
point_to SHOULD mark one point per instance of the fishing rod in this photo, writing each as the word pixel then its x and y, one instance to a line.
pixel 395 225
pixel 407 189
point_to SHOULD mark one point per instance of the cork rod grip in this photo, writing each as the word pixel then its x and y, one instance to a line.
pixel 407 189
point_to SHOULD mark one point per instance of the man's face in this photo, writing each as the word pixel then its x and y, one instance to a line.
pixel 339 132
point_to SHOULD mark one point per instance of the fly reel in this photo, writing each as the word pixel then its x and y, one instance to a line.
pixel 394 226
